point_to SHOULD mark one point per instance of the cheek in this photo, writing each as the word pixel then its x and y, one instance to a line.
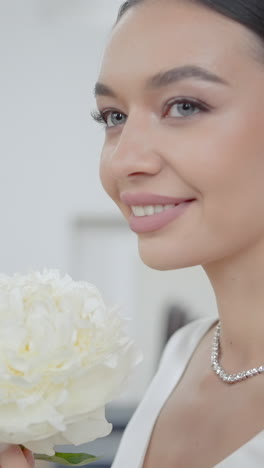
pixel 222 155
pixel 222 161
pixel 105 174
pixel 109 182
pixel 230 173
pixel 235 163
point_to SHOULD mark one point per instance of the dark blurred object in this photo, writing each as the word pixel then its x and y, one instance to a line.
pixel 177 316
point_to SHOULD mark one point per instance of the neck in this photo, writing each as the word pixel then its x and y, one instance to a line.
pixel 238 284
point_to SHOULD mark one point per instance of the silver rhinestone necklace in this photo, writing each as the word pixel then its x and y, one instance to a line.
pixel 220 372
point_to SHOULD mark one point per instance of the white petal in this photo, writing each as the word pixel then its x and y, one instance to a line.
pixel 45 446
pixel 93 426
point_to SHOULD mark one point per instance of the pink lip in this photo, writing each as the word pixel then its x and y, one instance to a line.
pixel 144 199
pixel 143 224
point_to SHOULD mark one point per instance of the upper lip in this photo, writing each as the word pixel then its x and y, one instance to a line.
pixel 144 199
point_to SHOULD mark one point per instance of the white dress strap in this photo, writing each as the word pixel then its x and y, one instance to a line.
pixel 182 344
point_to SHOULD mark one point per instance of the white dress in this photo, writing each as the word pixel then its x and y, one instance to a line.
pixel 133 446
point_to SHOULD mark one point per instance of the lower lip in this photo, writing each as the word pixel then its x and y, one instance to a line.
pixel 141 224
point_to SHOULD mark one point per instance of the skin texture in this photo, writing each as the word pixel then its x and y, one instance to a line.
pixel 196 157
pixel 14 457
pixel 216 157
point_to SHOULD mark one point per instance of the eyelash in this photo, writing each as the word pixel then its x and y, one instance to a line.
pixel 101 116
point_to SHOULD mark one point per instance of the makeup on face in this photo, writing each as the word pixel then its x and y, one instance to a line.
pixel 150 212
pixel 183 122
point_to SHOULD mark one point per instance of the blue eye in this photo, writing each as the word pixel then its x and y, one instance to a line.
pixel 114 119
pixel 109 118
pixel 184 107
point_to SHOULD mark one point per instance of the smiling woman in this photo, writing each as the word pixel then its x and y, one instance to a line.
pixel 180 94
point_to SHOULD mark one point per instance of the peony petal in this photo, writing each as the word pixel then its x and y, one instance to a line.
pixel 63 356
pixel 88 429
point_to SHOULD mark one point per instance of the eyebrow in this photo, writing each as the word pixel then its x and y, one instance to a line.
pixel 167 78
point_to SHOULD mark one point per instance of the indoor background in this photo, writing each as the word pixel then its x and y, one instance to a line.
pixel 54 213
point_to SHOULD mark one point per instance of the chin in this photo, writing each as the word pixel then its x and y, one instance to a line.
pixel 164 261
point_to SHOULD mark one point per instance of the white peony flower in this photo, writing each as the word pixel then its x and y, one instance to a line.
pixel 63 356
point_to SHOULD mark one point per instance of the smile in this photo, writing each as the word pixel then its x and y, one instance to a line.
pixel 150 210
pixel 149 218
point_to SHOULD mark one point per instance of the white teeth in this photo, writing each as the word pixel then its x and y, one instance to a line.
pixel 150 209
pixel 159 208
pixel 138 210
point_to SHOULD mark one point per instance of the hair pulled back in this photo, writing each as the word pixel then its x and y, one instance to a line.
pixel 249 13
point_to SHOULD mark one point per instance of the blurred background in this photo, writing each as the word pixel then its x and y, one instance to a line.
pixel 54 212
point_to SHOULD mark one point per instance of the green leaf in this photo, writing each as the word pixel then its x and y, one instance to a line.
pixel 68 459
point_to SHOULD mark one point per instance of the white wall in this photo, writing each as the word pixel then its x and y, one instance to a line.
pixel 50 52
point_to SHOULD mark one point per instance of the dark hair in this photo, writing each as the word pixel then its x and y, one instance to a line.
pixel 249 13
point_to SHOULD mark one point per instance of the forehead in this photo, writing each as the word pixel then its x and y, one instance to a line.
pixel 156 36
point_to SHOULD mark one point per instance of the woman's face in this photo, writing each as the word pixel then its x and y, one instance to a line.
pixel 182 94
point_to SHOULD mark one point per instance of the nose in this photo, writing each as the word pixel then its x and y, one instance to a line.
pixel 135 151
